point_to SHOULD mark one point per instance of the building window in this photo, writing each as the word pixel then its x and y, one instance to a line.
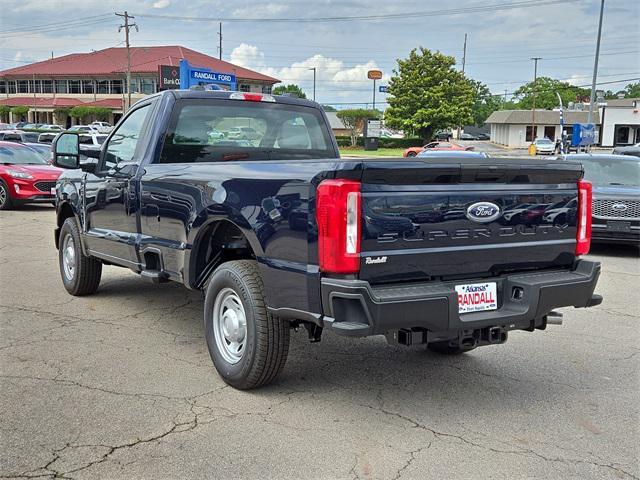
pixel 529 135
pixel 148 85
pixel 116 86
pixel 47 86
pixel 88 86
pixel 74 86
pixel 3 87
pixel 61 86
pixel 245 87
pixel 103 86
pixel 266 89
pixel 12 86
pixel 23 86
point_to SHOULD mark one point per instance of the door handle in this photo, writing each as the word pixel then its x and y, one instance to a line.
pixel 163 197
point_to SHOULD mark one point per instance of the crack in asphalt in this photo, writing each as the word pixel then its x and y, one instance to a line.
pixel 520 451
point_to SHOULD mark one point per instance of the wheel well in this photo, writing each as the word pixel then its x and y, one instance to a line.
pixel 64 212
pixel 220 242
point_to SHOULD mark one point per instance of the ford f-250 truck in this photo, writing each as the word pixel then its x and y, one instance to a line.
pixel 280 232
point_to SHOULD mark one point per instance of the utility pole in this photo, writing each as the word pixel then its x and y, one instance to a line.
pixel 464 53
pixel 126 27
pixel 314 82
pixel 220 41
pixel 533 110
pixel 595 65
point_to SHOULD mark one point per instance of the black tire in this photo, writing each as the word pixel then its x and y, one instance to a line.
pixel 266 338
pixel 5 198
pixel 447 348
pixel 411 154
pixel 87 271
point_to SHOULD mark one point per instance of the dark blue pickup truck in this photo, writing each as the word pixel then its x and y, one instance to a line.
pixel 280 232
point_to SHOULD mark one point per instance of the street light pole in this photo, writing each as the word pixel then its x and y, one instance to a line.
pixel 592 99
pixel 314 82
pixel 533 110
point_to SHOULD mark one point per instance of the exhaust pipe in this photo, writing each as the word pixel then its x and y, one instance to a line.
pixel 554 318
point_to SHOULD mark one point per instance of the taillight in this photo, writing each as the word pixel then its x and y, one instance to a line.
pixel 583 236
pixel 338 216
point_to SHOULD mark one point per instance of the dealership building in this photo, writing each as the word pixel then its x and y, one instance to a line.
pixel 52 87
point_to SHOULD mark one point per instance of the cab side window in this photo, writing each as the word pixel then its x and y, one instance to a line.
pixel 122 145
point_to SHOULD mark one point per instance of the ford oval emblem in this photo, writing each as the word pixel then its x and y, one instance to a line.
pixel 620 207
pixel 483 212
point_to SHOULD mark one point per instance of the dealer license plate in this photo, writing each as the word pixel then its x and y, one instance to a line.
pixel 477 297
pixel 618 226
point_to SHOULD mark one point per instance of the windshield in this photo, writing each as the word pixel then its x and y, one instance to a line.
pixel 20 156
pixel 250 131
pixel 544 141
pixel 606 171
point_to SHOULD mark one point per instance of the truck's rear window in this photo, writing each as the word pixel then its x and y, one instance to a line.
pixel 225 130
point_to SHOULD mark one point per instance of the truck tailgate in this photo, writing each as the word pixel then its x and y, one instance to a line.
pixel 461 219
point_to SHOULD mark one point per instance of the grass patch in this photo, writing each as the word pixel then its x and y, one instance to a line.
pixel 361 152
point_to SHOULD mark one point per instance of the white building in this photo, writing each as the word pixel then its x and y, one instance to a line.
pixel 620 123
pixel 514 128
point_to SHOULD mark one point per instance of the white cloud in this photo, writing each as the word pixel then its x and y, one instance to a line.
pixel 331 73
pixel 162 4
pixel 578 79
pixel 267 10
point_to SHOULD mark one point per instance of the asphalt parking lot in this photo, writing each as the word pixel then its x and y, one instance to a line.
pixel 119 385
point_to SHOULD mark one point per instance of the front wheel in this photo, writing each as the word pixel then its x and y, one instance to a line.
pixel 247 344
pixel 5 199
pixel 80 274
pixel 411 154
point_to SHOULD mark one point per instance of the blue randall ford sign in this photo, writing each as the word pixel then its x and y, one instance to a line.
pixel 583 134
pixel 191 76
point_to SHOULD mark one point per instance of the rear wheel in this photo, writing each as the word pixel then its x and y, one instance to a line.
pixel 247 344
pixel 5 199
pixel 80 274
pixel 449 348
pixel 411 154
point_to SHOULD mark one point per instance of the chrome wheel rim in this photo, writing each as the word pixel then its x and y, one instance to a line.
pixel 68 257
pixel 229 325
pixel 3 195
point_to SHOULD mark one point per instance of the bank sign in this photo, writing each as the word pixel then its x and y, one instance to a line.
pixel 168 77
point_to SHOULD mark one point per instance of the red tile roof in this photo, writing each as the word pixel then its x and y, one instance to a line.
pixel 113 61
pixel 107 102
pixel 43 102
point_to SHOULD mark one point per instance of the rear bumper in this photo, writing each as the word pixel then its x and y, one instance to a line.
pixel 355 308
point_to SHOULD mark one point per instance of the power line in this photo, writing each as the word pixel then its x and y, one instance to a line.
pixel 391 16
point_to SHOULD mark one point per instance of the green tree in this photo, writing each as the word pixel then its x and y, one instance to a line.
pixel 354 119
pixel 20 111
pixel 427 93
pixel 484 103
pixel 4 112
pixel 546 97
pixel 81 112
pixel 632 90
pixel 329 108
pixel 290 89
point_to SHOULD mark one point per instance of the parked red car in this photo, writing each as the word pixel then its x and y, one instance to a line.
pixel 25 176
pixel 435 146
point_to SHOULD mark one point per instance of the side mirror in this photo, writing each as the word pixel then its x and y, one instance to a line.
pixel 66 150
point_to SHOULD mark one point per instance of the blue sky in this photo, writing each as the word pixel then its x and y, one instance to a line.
pixel 500 41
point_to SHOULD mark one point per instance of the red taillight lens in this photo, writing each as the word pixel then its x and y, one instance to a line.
pixel 583 236
pixel 338 216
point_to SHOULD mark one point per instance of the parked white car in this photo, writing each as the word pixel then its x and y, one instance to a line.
pixel 544 146
pixel 92 139
pixel 83 129
pixel 52 128
pixel 102 127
